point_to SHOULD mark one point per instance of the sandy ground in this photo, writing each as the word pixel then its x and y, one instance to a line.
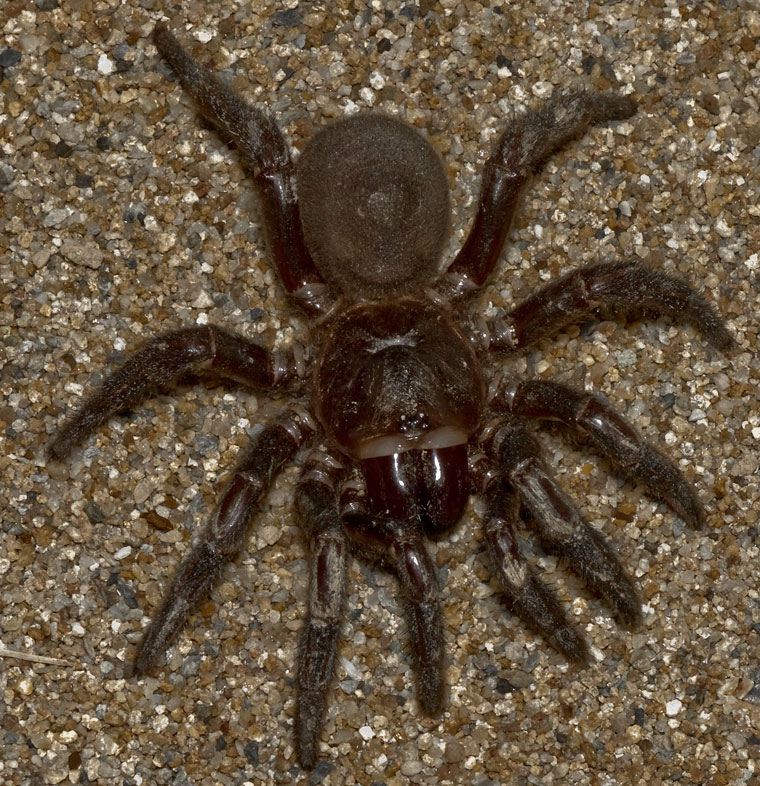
pixel 122 214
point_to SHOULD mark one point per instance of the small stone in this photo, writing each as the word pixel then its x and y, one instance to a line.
pixel 626 357
pixel 542 90
pixel 143 490
pixel 85 253
pixel 55 217
pixel 40 258
pixel 9 57
pixel 454 751
pixel 25 686
pixel 251 750
pixel 270 534
pixel 203 300
pixel 62 150
pixel 711 104
pixel 93 512
pixel 410 768
pixel 288 18
pixel 105 65
pixel 672 708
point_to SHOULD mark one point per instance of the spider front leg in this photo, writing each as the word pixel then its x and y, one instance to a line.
pixel 523 149
pixel 622 286
pixel 399 545
pixel 163 360
pixel 318 509
pixel 559 524
pixel 222 538
pixel 266 154
pixel 612 435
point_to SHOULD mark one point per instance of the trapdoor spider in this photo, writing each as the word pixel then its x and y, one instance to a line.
pixel 402 422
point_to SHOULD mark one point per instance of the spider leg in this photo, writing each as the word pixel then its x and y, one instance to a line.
pixel 526 595
pixel 613 436
pixel 266 154
pixel 317 505
pixel 621 285
pixel 222 538
pixel 524 147
pixel 164 359
pixel 560 526
pixel 398 544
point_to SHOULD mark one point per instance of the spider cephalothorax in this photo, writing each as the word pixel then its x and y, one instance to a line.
pixel 402 423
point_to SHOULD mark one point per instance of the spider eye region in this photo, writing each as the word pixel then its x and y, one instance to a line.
pixel 374 205
pixel 397 376
pixel 414 423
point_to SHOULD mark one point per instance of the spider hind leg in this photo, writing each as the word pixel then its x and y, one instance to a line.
pixel 524 592
pixel 398 544
pixel 319 513
pixel 558 523
pixel 613 437
pixel 222 538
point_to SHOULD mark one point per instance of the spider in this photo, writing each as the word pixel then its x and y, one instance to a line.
pixel 402 423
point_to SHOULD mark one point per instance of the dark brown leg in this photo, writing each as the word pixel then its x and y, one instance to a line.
pixel 621 286
pixel 399 545
pixel 222 538
pixel 522 149
pixel 558 523
pixel 317 505
pixel 164 359
pixel 613 436
pixel 266 154
pixel 525 594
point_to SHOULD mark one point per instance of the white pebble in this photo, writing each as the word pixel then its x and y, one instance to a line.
pixel 203 300
pixel 542 89
pixel 351 670
pixel 673 708
pixel 105 65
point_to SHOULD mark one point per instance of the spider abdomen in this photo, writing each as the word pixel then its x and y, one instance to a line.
pixel 396 376
pixel 374 206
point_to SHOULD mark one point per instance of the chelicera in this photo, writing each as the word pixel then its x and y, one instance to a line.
pixel 401 423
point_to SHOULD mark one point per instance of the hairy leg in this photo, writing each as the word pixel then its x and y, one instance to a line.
pixel 222 538
pixel 523 149
pixel 318 510
pixel 560 526
pixel 621 286
pixel 524 592
pixel 266 154
pixel 399 545
pixel 164 359
pixel 612 435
